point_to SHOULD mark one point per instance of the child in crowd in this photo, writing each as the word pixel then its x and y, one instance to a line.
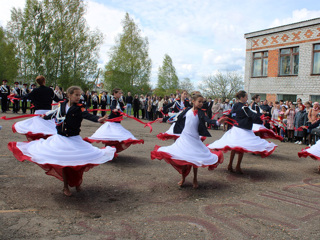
pixel 290 113
pixel 275 118
pixel 282 120
pixel 95 102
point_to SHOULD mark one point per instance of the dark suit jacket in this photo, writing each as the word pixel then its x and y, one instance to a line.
pixel 244 116
pixel 42 97
pixel 73 118
pixel 113 106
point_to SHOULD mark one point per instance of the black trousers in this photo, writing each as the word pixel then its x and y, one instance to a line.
pixel 103 106
pixel 136 113
pixel 24 103
pixel 143 113
pixel 4 103
pixel 95 106
pixel 16 106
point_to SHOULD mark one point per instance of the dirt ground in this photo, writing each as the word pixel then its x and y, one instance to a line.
pixel 134 197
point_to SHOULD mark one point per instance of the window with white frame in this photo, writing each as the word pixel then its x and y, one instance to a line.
pixel 260 64
pixel 289 61
pixel 316 59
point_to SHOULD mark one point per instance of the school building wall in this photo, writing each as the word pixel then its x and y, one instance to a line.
pixel 273 86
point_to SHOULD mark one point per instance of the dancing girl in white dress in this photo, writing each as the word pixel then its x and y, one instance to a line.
pixel 240 138
pixel 113 133
pixel 258 128
pixel 188 151
pixel 65 155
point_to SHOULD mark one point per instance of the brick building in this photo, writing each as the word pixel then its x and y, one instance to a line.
pixel 284 62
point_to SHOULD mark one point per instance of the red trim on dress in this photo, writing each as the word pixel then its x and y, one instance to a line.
pixel 179 164
pixel 74 173
pixel 263 154
pixel 119 145
pixel 36 136
pixel 167 136
pixel 305 154
pixel 14 128
pixel 203 138
pixel 30 135
pixel 268 133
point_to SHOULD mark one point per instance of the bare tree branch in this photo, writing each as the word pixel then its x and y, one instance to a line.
pixel 221 85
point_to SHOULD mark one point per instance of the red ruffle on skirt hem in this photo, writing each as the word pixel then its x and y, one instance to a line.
pixel 167 136
pixel 179 164
pixel 263 154
pixel 119 145
pixel 268 133
pixel 305 154
pixel 74 173
pixel 32 136
pixel 14 128
pixel 203 138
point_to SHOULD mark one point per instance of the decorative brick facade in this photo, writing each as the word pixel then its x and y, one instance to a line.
pixel 273 60
pixel 303 35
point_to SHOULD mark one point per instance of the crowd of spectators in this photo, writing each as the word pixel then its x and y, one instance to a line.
pixel 295 121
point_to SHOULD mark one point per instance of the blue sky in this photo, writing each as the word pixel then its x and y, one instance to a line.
pixel 201 36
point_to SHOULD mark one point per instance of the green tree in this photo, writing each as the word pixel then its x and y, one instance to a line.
pixel 168 80
pixel 222 85
pixel 53 39
pixel 25 30
pixel 129 67
pixel 187 85
pixel 9 64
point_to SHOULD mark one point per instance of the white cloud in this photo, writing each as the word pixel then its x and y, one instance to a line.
pixel 297 16
pixel 229 60
pixel 5 10
pixel 187 67
pixel 107 21
pixel 201 37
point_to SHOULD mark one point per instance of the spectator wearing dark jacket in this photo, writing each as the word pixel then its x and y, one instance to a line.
pixel 300 119
pixel 136 106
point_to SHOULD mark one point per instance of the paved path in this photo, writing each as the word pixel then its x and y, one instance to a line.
pixel 134 197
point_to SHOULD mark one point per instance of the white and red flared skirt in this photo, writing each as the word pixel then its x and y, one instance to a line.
pixel 313 151
pixel 242 141
pixel 59 152
pixel 113 134
pixel 188 150
pixel 36 127
pixel 170 135
pixel 264 132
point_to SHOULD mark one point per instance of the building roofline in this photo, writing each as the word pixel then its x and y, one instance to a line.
pixel 282 28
